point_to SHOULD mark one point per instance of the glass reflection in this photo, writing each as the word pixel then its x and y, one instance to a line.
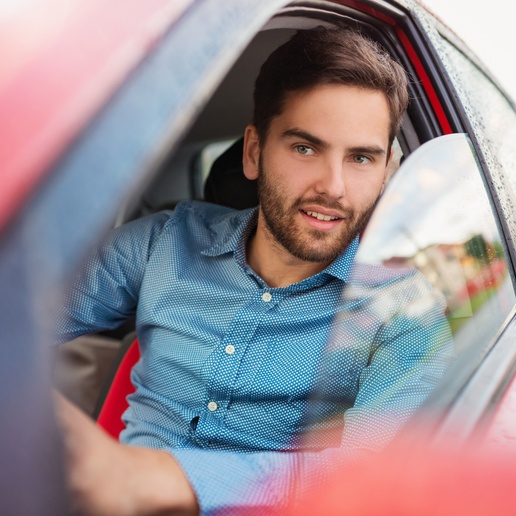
pixel 436 217
pixel 430 281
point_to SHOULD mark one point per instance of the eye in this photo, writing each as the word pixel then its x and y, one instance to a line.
pixel 360 159
pixel 304 150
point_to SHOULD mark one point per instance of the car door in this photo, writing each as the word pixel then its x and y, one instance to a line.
pixel 484 406
pixel 88 116
pixel 160 89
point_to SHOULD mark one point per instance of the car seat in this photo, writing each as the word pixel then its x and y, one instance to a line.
pixel 112 401
pixel 226 183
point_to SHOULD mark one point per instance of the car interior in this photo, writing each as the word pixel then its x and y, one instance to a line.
pixel 184 173
pixel 207 165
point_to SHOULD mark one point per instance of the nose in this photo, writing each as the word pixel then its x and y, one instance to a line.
pixel 331 179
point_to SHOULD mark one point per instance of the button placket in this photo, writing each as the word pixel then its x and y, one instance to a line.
pixel 212 406
pixel 227 360
pixel 267 297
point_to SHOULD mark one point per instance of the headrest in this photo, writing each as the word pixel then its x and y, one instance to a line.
pixel 226 183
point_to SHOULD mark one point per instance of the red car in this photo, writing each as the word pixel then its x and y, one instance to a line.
pixel 113 110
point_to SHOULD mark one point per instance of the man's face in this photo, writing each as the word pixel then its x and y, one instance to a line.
pixel 321 170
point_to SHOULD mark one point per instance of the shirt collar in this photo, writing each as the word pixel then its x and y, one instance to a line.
pixel 232 231
pixel 341 266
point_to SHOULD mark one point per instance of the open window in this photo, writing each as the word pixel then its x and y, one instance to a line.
pixel 225 108
pixel 180 175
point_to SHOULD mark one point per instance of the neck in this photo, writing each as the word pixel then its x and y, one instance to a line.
pixel 273 263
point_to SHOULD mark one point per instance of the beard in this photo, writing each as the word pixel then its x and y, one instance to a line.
pixel 307 244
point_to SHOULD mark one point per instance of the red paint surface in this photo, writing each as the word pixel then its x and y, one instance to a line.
pixel 408 481
pixel 61 59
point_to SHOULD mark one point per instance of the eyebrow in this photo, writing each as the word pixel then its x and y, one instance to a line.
pixel 373 150
pixel 314 140
pixel 299 133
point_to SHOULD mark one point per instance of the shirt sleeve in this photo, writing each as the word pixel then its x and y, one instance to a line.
pixel 404 325
pixel 258 483
pixel 105 292
pixel 412 350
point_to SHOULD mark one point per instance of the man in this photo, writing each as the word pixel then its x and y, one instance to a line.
pixel 234 309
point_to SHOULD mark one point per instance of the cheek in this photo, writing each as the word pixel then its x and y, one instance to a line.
pixel 285 175
pixel 365 190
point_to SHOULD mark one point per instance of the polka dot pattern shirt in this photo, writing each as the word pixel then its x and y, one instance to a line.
pixel 228 365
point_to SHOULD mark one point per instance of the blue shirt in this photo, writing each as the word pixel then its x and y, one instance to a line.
pixel 228 364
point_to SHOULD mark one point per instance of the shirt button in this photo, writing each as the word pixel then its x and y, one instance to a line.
pixel 212 406
pixel 266 296
pixel 230 349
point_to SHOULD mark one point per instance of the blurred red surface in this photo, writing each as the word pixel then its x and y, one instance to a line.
pixel 404 480
pixel 61 60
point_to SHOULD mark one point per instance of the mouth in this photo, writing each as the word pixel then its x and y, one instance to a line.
pixel 325 221
pixel 321 216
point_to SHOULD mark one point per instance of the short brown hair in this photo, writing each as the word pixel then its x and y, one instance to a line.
pixel 328 56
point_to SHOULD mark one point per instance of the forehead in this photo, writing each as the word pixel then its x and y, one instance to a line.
pixel 338 114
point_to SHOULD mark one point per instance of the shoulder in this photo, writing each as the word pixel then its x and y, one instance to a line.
pixel 198 216
pixel 201 209
pixel 192 225
pixel 186 212
pixel 197 224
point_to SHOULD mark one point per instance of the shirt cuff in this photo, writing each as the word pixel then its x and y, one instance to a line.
pixel 231 483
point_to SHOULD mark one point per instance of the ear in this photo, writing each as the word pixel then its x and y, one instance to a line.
pixel 251 156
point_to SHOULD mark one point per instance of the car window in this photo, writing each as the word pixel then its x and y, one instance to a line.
pixel 493 116
pixel 437 218
pixel 429 290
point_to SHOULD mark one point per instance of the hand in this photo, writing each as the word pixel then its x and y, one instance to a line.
pixel 112 479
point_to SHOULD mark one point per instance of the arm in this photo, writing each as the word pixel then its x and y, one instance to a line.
pixel 106 291
pixel 106 477
pixel 411 350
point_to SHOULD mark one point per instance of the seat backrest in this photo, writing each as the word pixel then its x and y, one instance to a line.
pixel 114 401
pixel 226 183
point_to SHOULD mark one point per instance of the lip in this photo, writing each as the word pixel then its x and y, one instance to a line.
pixel 324 211
pixel 322 225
